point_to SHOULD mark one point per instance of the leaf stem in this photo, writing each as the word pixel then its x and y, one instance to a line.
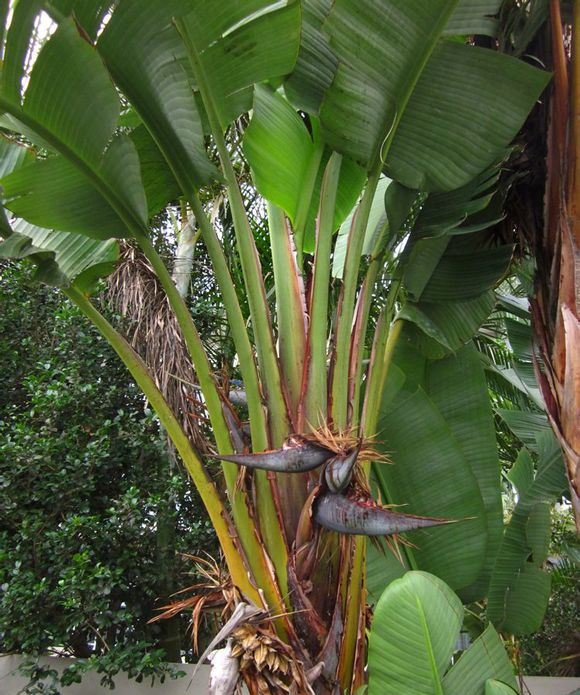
pixel 340 390
pixel 251 268
pixel 315 405
pixel 207 490
pixel 258 422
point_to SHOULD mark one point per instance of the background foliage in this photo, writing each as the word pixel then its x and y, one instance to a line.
pixel 93 514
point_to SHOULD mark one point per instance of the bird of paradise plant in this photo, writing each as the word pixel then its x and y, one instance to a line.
pixel 377 119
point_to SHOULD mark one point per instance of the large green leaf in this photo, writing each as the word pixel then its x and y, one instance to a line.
pixel 67 81
pixel 432 474
pixel 447 303
pixel 456 77
pixel 525 425
pixel 474 17
pixel 458 387
pixel 277 140
pixel 519 588
pixel 440 329
pixel 365 99
pixel 413 636
pixel 485 659
pixel 239 44
pixel 94 187
pixel 17 46
pixel 415 628
pixel 466 275
pixel 420 111
pixel 449 212
pixel 62 258
pixel 306 86
pixel 50 193
pixel 145 55
pixel 159 183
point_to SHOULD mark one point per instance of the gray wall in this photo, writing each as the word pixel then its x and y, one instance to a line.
pixel 11 684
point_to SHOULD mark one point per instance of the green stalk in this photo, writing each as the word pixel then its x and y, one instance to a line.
pixel 362 320
pixel 352 640
pixel 252 271
pixel 386 338
pixel 206 488
pixel 259 311
pixel 291 320
pixel 290 306
pixel 359 333
pixel 340 391
pixel 258 422
pixel 243 520
pixel 267 513
pixel 316 386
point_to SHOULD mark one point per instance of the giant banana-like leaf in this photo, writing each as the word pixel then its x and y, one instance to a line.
pixel 458 387
pixel 430 87
pixel 16 47
pixel 97 176
pixel 437 427
pixel 526 425
pixel 240 44
pixel 277 139
pixel 365 100
pixel 457 77
pixel 474 17
pixel 449 283
pixel 431 476
pixel 51 193
pixel 413 636
pixel 67 79
pixel 317 62
pixel 145 55
pixel 444 328
pixel 448 212
pixel 306 86
pixel 485 659
pixel 61 258
pixel 520 588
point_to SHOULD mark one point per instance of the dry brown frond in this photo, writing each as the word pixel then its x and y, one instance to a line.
pixel 268 662
pixel 214 592
pixel 151 327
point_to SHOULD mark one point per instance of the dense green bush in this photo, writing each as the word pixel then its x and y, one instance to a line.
pixel 93 513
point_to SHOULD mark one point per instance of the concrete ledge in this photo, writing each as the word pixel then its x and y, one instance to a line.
pixel 539 685
pixel 11 683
